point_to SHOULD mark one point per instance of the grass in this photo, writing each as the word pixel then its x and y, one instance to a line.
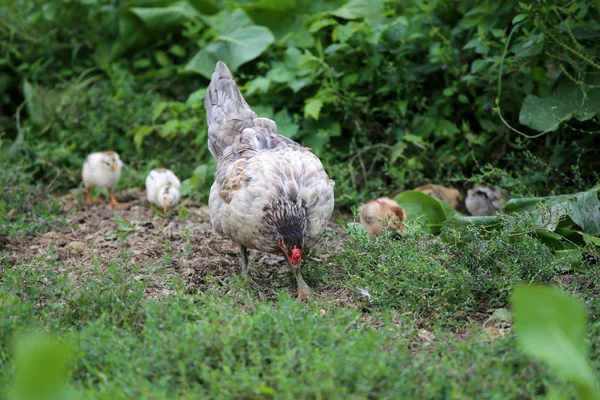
pixel 424 333
pixel 217 345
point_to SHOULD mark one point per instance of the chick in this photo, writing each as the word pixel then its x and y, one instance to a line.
pixel 448 195
pixel 383 211
pixel 485 200
pixel 162 188
pixel 103 170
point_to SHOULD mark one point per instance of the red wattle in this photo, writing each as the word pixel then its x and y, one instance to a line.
pixel 296 255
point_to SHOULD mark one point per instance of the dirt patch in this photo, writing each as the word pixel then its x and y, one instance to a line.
pixel 154 247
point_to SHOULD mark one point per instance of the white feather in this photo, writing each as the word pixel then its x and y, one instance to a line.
pixel 98 170
pixel 163 187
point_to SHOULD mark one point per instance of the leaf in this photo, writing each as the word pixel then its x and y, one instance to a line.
pixel 551 326
pixel 568 101
pixel 261 83
pixel 162 59
pixel 41 369
pixel 196 99
pixel 422 208
pixel 158 110
pixel 227 21
pixel 238 43
pixel 585 212
pixel 355 9
pixel 139 133
pixel 165 18
pixel 312 108
pixel 519 18
pixel 483 222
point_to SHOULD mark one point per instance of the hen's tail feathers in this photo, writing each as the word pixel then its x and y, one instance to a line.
pixel 223 100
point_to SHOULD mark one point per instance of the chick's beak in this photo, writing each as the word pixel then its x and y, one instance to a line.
pixel 114 166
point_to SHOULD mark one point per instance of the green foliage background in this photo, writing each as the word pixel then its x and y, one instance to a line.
pixel 390 94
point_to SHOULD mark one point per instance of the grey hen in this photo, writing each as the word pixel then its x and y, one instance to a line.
pixel 485 200
pixel 270 193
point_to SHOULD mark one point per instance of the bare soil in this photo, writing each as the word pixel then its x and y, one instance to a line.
pixel 154 247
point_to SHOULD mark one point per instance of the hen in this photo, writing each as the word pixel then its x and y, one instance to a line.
pixel 270 193
pixel 382 212
pixel 486 200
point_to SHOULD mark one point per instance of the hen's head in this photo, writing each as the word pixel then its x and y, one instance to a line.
pixel 292 249
pixel 287 222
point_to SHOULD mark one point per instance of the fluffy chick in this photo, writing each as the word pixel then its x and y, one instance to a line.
pixel 382 212
pixel 448 195
pixel 485 200
pixel 162 188
pixel 102 170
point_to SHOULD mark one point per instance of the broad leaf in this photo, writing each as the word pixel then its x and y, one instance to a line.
pixel 165 18
pixel 569 100
pixel 422 208
pixel 551 325
pixel 585 212
pixel 238 43
pixel 355 9
pixel 312 108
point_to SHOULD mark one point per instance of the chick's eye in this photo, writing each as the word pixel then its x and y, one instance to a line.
pixel 107 163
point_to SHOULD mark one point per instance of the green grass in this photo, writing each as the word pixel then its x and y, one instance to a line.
pixel 217 345
pixel 422 335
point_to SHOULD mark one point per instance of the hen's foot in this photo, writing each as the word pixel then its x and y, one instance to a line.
pixel 303 289
pixel 304 293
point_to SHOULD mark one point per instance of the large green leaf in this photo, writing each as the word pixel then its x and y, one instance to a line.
pixel 164 18
pixel 551 325
pixel 569 101
pixel 583 208
pixel 585 212
pixel 238 42
pixel 423 209
pixel 287 19
pixel 41 369
pixel 355 9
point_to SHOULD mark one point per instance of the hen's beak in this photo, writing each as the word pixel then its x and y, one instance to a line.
pixel 114 166
pixel 165 207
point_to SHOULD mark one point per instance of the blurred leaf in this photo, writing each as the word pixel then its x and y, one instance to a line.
pixel 139 133
pixel 355 9
pixel 159 19
pixel 42 369
pixel 418 205
pixel 551 326
pixel 312 108
pixel 196 99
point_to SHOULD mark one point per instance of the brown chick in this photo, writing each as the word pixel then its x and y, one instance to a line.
pixel 382 212
pixel 448 195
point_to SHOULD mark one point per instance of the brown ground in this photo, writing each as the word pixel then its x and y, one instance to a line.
pixel 154 247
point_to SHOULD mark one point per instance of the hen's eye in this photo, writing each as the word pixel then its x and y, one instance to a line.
pixel 107 163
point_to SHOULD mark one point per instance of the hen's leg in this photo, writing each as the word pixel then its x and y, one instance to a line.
pixel 113 201
pixel 245 269
pixel 90 199
pixel 303 289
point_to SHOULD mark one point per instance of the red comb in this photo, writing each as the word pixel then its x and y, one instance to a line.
pixel 296 255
